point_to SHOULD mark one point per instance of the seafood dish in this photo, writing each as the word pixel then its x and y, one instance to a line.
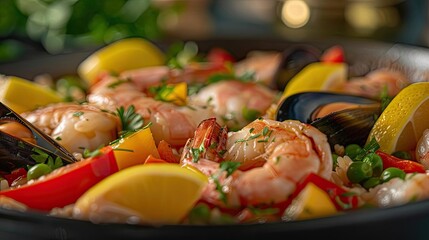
pixel 148 136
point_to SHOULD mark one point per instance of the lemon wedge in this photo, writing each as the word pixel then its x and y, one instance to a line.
pixel 125 54
pixel 318 76
pixel 402 123
pixel 153 194
pixel 22 95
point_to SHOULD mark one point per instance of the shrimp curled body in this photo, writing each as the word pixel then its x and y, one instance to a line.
pixel 288 151
pixel 76 127
pixel 174 124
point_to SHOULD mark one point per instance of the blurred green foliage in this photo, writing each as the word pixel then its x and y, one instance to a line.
pixel 56 26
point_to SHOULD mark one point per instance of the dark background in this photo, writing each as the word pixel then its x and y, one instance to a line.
pixel 29 28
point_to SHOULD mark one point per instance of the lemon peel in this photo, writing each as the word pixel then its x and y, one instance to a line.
pixel 124 54
pixel 402 123
pixel 156 194
pixel 317 76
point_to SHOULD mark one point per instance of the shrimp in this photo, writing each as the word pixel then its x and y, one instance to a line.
pixel 397 191
pixel 263 64
pixel 174 124
pixel 374 82
pixel 422 149
pixel 76 127
pixel 236 103
pixel 145 78
pixel 287 151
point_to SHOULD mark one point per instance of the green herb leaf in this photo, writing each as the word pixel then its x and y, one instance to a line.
pixel 130 120
pixel 250 114
pixel 77 114
pixel 88 153
pixel 219 189
pixel 42 157
pixel 229 167
pixel 385 98
pixel 370 147
pixel 57 163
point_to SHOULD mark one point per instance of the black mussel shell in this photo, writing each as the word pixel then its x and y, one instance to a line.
pixel 302 106
pixel 294 59
pixel 15 152
pixel 342 127
pixel 349 125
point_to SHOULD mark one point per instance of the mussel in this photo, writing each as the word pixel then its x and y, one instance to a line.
pixel 345 119
pixel 20 142
pixel 293 60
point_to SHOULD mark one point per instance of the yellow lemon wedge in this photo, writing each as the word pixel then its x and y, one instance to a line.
pixel 311 202
pixel 318 76
pixel 22 95
pixel 125 54
pixel 155 194
pixel 402 123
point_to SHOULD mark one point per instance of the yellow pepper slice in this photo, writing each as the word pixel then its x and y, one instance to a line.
pixel 134 149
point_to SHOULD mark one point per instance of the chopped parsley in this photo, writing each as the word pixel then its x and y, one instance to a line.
pixel 196 153
pixel 130 120
pixel 250 114
pixel 77 114
pixel 370 147
pixel 385 98
pixel 117 83
pixel 41 156
pixel 229 167
pixel 88 153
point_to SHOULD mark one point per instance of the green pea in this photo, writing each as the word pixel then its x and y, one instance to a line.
pixel 403 155
pixel 334 161
pixel 352 150
pixel 38 170
pixel 359 171
pixel 390 173
pixel 371 182
pixel 200 214
pixel 376 163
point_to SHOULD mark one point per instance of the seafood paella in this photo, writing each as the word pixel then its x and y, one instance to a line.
pixel 142 135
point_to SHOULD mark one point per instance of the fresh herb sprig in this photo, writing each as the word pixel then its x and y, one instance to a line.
pixel 41 156
pixel 130 120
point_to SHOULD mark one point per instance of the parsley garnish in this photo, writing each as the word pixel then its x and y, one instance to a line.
pixel 370 147
pixel 264 211
pixel 384 98
pixel 77 114
pixel 42 157
pixel 219 188
pixel 117 83
pixel 249 138
pixel 88 153
pixel 229 167
pixel 130 120
pixel 196 153
pixel 250 114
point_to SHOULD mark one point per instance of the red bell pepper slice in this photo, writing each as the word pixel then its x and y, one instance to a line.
pixel 219 55
pixel 334 54
pixel 15 174
pixel 407 166
pixel 66 184
pixel 342 199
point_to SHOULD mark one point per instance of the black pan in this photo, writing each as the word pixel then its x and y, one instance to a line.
pixel 409 221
